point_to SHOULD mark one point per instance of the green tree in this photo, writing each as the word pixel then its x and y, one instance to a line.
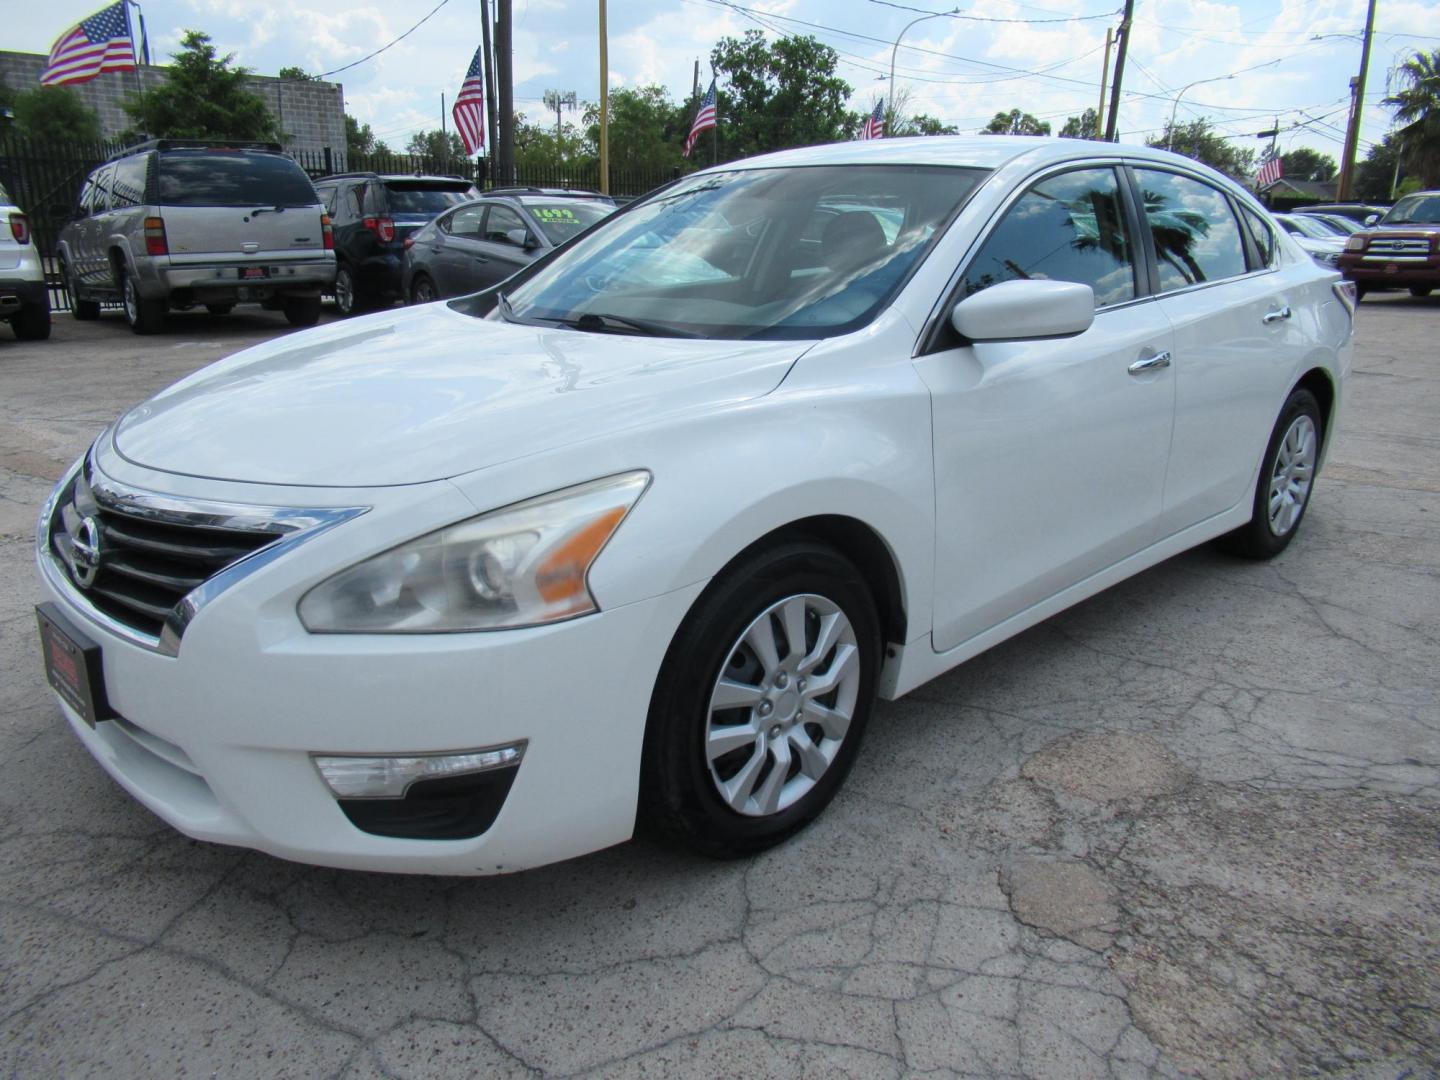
pixel 1375 176
pixel 901 122
pixel 1198 139
pixel 438 146
pixel 647 129
pixel 1016 122
pixel 779 94
pixel 540 146
pixel 1084 126
pixel 1306 164
pixel 297 74
pixel 202 97
pixel 1417 107
pixel 360 140
pixel 54 113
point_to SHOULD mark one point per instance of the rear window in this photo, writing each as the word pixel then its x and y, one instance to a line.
pixel 424 198
pixel 562 219
pixel 232 179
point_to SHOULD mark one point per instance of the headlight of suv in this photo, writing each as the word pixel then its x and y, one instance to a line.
pixel 1355 243
pixel 522 565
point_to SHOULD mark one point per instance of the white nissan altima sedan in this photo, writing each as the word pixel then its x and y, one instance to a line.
pixel 479 585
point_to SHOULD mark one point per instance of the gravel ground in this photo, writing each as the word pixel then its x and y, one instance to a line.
pixel 1187 827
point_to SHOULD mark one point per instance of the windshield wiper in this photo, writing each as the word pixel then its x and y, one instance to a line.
pixel 596 321
pixel 503 303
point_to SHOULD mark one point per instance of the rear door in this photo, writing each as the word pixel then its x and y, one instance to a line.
pixel 246 207
pixel 453 253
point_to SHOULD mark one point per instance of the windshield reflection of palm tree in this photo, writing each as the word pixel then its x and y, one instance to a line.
pixel 1176 233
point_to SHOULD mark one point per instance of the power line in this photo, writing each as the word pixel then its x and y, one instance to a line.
pixel 982 18
pixel 377 52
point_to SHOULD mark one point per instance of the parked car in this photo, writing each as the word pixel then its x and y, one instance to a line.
pixel 1354 211
pixel 24 299
pixel 1338 224
pixel 481 243
pixel 172 223
pixel 374 214
pixel 1323 243
pixel 1400 250
pixel 477 585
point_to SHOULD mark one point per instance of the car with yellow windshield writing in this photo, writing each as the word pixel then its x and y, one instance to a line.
pixel 481 243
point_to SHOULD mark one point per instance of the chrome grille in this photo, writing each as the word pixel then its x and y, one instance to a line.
pixel 136 568
pixel 1399 245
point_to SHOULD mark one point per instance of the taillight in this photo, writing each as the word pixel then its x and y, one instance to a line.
pixel 155 237
pixel 20 228
pixel 383 227
pixel 327 232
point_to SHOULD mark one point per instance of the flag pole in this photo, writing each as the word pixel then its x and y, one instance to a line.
pixel 715 132
pixel 137 49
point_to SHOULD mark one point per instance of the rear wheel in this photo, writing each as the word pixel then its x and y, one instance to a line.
pixel 348 297
pixel 1287 477
pixel 1420 290
pixel 84 310
pixel 144 316
pixel 219 309
pixel 762 702
pixel 33 322
pixel 302 310
pixel 422 290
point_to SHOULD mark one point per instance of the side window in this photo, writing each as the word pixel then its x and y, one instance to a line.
pixel 127 188
pixel 1197 238
pixel 355 202
pixel 466 222
pixel 327 197
pixel 1262 234
pixel 1069 227
pixel 85 201
pixel 501 221
pixel 100 197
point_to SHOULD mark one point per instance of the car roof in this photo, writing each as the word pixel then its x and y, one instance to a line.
pixel 423 178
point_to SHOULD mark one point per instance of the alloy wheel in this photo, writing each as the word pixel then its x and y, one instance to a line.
pixel 344 292
pixel 782 705
pixel 131 298
pixel 1293 474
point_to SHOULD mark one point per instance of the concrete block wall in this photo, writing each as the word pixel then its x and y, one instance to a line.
pixel 312 114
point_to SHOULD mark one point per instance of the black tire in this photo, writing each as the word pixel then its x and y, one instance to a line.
pixel 1259 539
pixel 422 290
pixel 1420 290
pixel 83 310
pixel 144 316
pixel 219 309
pixel 348 297
pixel 679 799
pixel 33 322
pixel 302 310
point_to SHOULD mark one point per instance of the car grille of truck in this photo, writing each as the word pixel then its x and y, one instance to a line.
pixel 145 564
pixel 1399 246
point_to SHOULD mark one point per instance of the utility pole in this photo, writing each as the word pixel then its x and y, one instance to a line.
pixel 485 29
pixel 695 85
pixel 1104 73
pixel 505 76
pixel 557 100
pixel 604 104
pixel 1114 119
pixel 1357 106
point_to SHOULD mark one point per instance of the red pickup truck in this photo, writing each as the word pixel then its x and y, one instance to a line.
pixel 1401 250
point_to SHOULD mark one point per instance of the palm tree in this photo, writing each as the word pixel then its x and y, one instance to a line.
pixel 1418 108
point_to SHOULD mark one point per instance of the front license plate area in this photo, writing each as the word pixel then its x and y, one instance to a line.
pixel 72 664
pixel 254 273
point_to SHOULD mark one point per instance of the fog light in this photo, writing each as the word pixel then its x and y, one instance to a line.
pixel 374 777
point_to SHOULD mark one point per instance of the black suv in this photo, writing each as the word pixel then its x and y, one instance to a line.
pixel 373 213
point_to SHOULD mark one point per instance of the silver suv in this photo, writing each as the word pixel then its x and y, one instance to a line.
pixel 24 301
pixel 175 223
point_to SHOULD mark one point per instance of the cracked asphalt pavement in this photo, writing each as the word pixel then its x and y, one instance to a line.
pixel 1188 827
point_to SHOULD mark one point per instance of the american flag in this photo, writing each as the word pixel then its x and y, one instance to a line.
pixel 874 126
pixel 704 119
pixel 1269 172
pixel 469 110
pixel 100 43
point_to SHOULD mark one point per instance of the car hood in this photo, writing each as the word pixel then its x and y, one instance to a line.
pixel 425 393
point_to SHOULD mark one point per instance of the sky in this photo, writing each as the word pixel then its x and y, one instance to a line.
pixel 1240 64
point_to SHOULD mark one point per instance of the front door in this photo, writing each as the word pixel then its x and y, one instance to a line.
pixel 1050 455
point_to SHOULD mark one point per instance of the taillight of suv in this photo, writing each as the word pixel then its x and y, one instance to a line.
pixel 20 228
pixel 155 242
pixel 382 227
pixel 327 232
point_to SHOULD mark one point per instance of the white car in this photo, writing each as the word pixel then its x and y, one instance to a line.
pixel 24 298
pixel 1323 243
pixel 480 585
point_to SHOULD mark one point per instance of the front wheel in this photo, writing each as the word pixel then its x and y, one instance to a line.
pixel 302 310
pixel 761 703
pixel 1287 477
pixel 83 310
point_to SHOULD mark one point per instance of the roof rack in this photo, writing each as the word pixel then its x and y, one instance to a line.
pixel 393 175
pixel 197 144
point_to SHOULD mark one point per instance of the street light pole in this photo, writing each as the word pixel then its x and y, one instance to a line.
pixel 896 48
pixel 1170 131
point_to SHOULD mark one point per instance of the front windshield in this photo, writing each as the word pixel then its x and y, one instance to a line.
pixel 1343 226
pixel 1414 210
pixel 756 253
pixel 1302 226
pixel 560 219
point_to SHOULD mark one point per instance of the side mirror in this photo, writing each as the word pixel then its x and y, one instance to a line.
pixel 521 238
pixel 1024 310
pixel 1371 219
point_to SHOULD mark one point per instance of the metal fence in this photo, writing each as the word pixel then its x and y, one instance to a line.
pixel 44 178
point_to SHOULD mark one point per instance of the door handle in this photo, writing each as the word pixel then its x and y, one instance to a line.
pixel 1276 315
pixel 1150 363
pixel 482 258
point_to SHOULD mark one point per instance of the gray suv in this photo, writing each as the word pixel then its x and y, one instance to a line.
pixel 175 223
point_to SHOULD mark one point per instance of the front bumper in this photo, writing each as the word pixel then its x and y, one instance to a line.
pixel 218 739
pixel 1382 271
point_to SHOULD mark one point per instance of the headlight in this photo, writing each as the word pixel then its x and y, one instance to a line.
pixel 1326 258
pixel 519 566
pixel 1355 243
